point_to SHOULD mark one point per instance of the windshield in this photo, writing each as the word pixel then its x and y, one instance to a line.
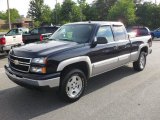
pixel 73 33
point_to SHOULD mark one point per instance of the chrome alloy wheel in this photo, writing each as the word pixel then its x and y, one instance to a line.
pixel 142 61
pixel 74 86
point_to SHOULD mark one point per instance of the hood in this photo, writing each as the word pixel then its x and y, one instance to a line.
pixel 44 48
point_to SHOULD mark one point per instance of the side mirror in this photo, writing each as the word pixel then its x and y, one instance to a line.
pixel 101 40
pixel 98 40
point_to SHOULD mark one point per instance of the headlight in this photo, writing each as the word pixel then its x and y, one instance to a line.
pixel 39 60
pixel 38 69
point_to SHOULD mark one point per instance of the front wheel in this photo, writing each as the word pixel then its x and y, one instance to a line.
pixel 139 65
pixel 73 85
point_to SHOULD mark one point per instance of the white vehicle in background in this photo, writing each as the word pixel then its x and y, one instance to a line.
pixel 12 39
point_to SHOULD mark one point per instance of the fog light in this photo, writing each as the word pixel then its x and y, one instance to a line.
pixel 38 69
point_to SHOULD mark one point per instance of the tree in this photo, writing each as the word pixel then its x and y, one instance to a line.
pixel 3 15
pixel 36 8
pixel 40 12
pixel 82 6
pixel 150 17
pixel 70 12
pixel 123 10
pixel 102 7
pixel 91 13
pixel 14 15
pixel 46 14
pixel 56 14
pixel 138 1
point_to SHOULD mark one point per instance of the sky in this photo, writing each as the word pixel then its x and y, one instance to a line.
pixel 23 5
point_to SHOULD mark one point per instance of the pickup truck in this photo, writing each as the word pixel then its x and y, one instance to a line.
pixel 12 39
pixel 39 34
pixel 156 33
pixel 75 53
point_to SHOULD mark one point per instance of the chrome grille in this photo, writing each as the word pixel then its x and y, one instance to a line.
pixel 19 63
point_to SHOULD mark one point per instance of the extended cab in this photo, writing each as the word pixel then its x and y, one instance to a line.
pixel 12 39
pixel 75 53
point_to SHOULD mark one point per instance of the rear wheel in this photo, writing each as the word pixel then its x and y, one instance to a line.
pixel 73 85
pixel 139 65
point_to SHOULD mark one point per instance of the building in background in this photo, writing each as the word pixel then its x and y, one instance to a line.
pixel 3 24
pixel 21 22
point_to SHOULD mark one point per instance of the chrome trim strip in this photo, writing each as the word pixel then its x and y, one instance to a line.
pixel 20 63
pixel 49 82
pixel 124 57
pixel 21 57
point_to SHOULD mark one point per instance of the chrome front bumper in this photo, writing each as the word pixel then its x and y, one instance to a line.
pixel 54 82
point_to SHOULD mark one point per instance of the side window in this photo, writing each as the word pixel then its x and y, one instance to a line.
pixel 105 31
pixel 119 33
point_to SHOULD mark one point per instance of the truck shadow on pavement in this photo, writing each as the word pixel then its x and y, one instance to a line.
pixel 3 56
pixel 21 104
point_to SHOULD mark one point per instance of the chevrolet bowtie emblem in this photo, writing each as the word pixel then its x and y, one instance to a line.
pixel 16 62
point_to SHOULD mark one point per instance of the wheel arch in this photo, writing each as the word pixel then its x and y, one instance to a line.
pixel 83 63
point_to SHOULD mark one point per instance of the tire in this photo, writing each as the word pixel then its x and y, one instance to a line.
pixel 139 65
pixel 73 85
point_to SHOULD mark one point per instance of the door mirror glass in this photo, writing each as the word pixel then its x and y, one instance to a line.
pixel 101 40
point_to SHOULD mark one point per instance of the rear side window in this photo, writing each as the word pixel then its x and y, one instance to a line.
pixel 105 31
pixel 119 33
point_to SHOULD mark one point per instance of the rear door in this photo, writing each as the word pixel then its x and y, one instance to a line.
pixel 104 56
pixel 124 44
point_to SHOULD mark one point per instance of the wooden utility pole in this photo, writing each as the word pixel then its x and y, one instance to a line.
pixel 9 19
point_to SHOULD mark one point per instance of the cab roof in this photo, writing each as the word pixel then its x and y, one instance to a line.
pixel 97 23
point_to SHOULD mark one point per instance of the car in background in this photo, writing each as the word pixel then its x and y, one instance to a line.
pixel 137 31
pixel 39 34
pixel 156 33
pixel 12 39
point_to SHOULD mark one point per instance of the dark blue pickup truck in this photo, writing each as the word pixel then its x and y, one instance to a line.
pixel 75 53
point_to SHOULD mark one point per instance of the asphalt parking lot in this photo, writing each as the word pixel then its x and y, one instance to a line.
pixel 121 94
